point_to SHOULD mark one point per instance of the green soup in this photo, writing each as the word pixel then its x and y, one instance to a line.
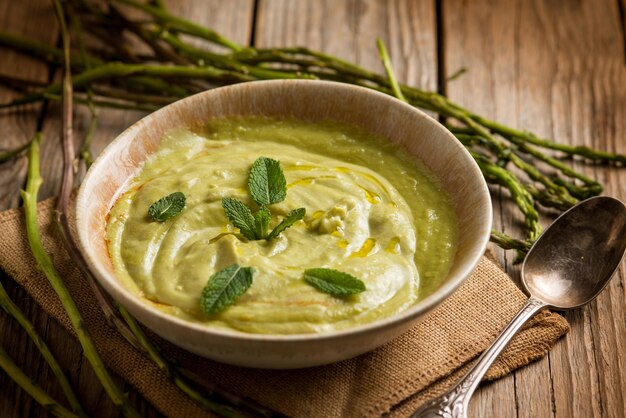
pixel 372 211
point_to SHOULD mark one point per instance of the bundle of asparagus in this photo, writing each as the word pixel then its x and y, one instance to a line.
pixel 129 62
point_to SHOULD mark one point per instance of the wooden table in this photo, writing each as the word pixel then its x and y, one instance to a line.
pixel 556 68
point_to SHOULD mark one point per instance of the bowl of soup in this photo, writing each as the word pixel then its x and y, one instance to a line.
pixel 283 224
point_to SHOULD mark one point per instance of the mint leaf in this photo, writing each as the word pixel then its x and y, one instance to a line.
pixel 333 282
pixel 267 185
pixel 240 216
pixel 262 219
pixel 167 207
pixel 225 287
pixel 266 182
pixel 291 218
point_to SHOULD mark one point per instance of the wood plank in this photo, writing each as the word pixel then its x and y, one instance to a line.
pixel 233 20
pixel 557 69
pixel 588 103
pixel 621 5
pixel 16 128
pixel 469 31
pixel 19 126
pixel 533 388
pixel 607 129
pixel 496 397
pixel 349 30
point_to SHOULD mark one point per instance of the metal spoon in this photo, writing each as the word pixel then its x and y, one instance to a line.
pixel 567 267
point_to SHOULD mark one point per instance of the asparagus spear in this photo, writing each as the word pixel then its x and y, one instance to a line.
pixel 386 61
pixel 44 263
pixel 11 308
pixel 183 25
pixel 7 155
pixel 33 389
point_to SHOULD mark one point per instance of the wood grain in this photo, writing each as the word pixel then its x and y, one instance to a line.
pixel 233 19
pixel 468 43
pixel 17 127
pixel 349 30
pixel 558 69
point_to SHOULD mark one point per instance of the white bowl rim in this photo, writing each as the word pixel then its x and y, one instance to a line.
pixel 112 285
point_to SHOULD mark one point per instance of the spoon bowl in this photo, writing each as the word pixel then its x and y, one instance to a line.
pixel 568 266
pixel 577 255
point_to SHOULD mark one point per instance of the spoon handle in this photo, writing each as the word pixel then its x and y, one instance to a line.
pixel 454 403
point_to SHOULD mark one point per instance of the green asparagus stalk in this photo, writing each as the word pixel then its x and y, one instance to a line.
pixel 515 134
pixel 11 308
pixel 20 84
pixel 116 70
pixel 386 61
pixel 520 195
pixel 38 49
pixel 85 149
pixel 458 73
pixel 62 205
pixel 35 391
pixel 504 241
pixel 7 155
pixel 152 40
pixel 590 188
pixel 103 102
pixel 45 264
pixel 68 107
pixel 547 198
pixel 552 189
pixel 183 25
pixel 222 61
pixel 172 372
pixel 54 55
pixel 132 97
pixel 554 195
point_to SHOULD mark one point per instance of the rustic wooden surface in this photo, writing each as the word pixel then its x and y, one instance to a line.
pixel 556 68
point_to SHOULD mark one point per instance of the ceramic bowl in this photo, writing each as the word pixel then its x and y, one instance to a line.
pixel 311 101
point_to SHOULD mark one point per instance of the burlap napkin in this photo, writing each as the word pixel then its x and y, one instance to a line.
pixel 393 379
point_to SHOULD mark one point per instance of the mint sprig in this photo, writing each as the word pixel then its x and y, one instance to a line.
pixel 225 287
pixel 333 282
pixel 267 185
pixel 167 207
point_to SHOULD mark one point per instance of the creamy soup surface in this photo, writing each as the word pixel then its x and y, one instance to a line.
pixel 372 211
